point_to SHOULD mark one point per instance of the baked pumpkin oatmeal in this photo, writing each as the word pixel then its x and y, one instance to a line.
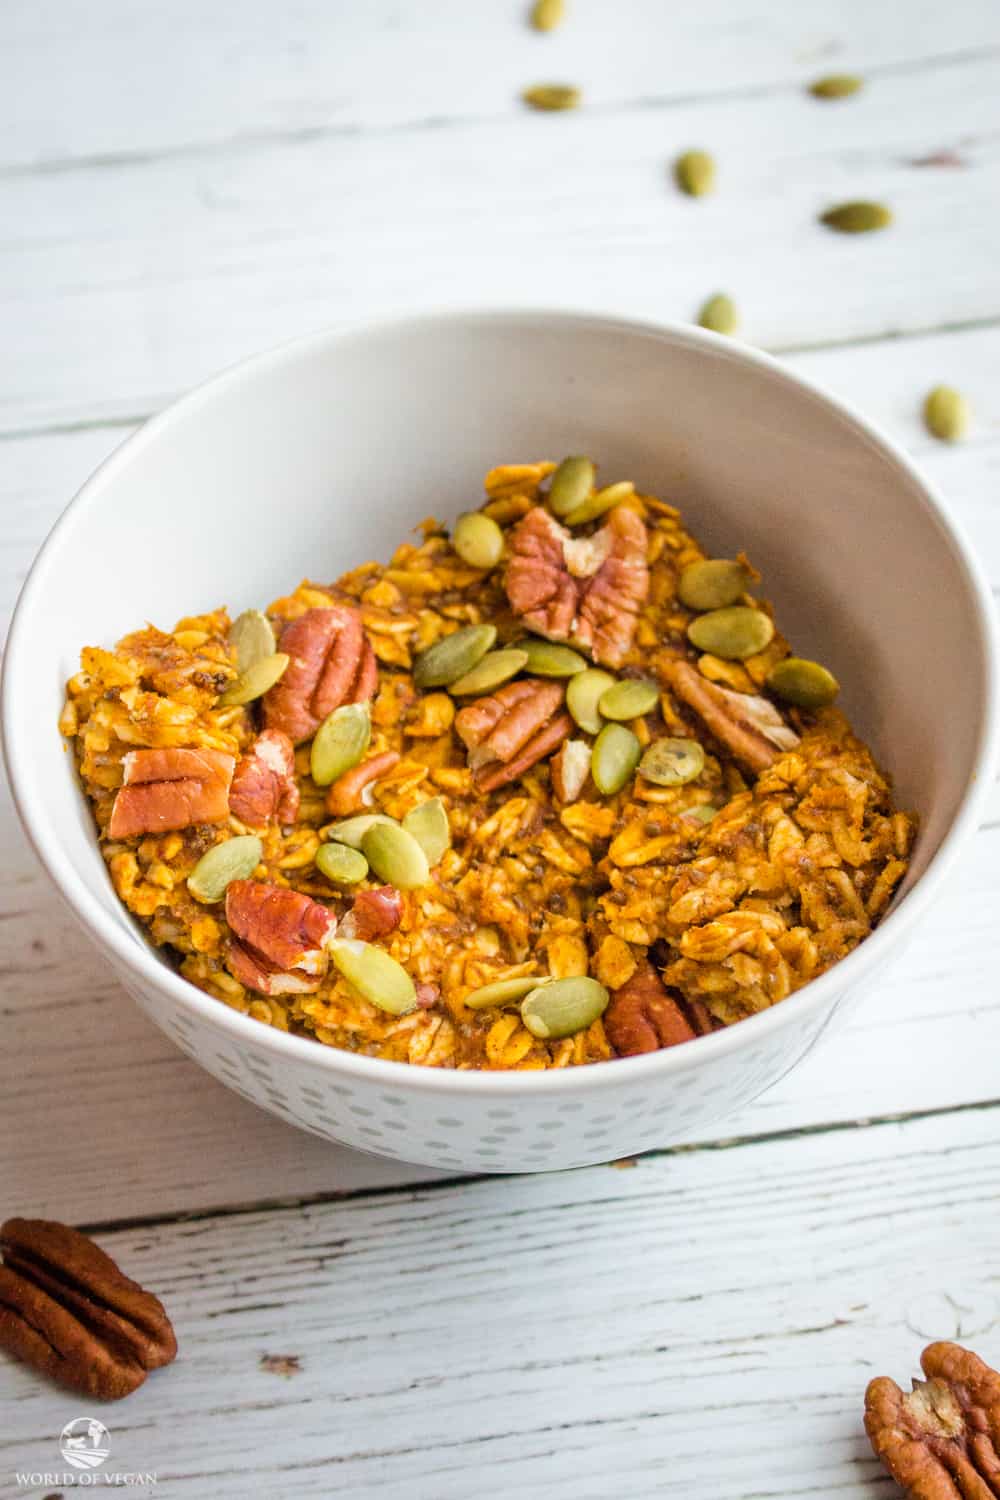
pixel 549 790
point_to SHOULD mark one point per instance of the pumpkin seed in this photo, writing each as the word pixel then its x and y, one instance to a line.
pixel 570 485
pixel 734 633
pixel 550 96
pixel 547 14
pixel 629 699
pixel 615 756
pixel 836 86
pixel 564 1006
pixel 340 742
pixel 395 856
pixel 857 218
pixel 255 681
pixel 713 583
pixel 352 830
pixel 503 992
pixel 672 762
pixel 478 540
pixel 546 659
pixel 340 864
pixel 452 656
pixel 703 813
pixel 252 636
pixel 428 824
pixel 233 859
pixel 804 683
pixel 597 504
pixel 719 314
pixel 495 667
pixel 695 173
pixel 375 974
pixel 946 414
pixel 583 693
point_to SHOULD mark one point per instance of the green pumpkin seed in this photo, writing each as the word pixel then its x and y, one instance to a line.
pixel 695 173
pixel 340 742
pixel 583 693
pixel 564 1006
pixel 713 583
pixel 478 540
pixel 836 86
pixel 255 681
pixel 495 667
pixel 375 974
pixel 234 859
pixel 428 824
pixel 547 14
pixel 672 762
pixel 340 864
pixel 628 699
pixel 452 656
pixel 601 502
pixel 570 485
pixel 615 756
pixel 252 636
pixel 547 659
pixel 352 830
pixel 804 683
pixel 734 633
pixel 550 96
pixel 719 314
pixel 857 218
pixel 395 856
pixel 946 414
pixel 503 992
pixel 703 813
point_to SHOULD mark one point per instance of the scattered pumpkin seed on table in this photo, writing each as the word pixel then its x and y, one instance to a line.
pixel 255 681
pixel 712 583
pixel 719 314
pixel 601 502
pixel 395 856
pixel 493 669
pixel 551 96
pixel 570 485
pixel 672 762
pixel 695 173
pixel 233 859
pixel 478 540
pixel 340 742
pixel 734 633
pixel 352 830
pixel 583 693
pixel 453 655
pixel 428 824
pixel 562 1007
pixel 341 864
pixel 503 991
pixel 802 682
pixel 858 217
pixel 375 974
pixel 546 15
pixel 252 636
pixel 548 659
pixel 946 414
pixel 614 758
pixel 836 86
pixel 628 699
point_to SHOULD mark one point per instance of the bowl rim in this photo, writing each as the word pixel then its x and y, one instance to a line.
pixel 138 958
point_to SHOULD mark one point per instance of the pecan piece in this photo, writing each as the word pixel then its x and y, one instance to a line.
pixel 751 728
pixel 643 1016
pixel 374 914
pixel 171 788
pixel 331 662
pixel 279 938
pixel 941 1441
pixel 349 792
pixel 585 589
pixel 68 1311
pixel 264 786
pixel 515 726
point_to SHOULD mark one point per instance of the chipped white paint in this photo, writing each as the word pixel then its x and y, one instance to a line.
pixel 182 184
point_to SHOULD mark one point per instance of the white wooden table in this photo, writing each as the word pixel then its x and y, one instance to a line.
pixel 184 183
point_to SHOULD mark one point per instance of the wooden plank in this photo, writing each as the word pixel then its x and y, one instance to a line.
pixel 127 282
pixel 703 1324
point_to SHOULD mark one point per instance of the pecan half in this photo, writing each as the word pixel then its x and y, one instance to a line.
pixel 264 786
pixel 349 792
pixel 585 589
pixel 751 728
pixel 69 1312
pixel 941 1441
pixel 331 662
pixel 279 937
pixel 512 729
pixel 172 788
pixel 374 914
pixel 570 769
pixel 643 1016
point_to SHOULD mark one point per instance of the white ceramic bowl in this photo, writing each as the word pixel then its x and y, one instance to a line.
pixel 325 453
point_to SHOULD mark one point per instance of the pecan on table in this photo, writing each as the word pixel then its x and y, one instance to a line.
pixel 264 786
pixel 584 589
pixel 751 728
pixel 940 1441
pixel 643 1016
pixel 171 788
pixel 279 938
pixel 512 730
pixel 69 1312
pixel 331 662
